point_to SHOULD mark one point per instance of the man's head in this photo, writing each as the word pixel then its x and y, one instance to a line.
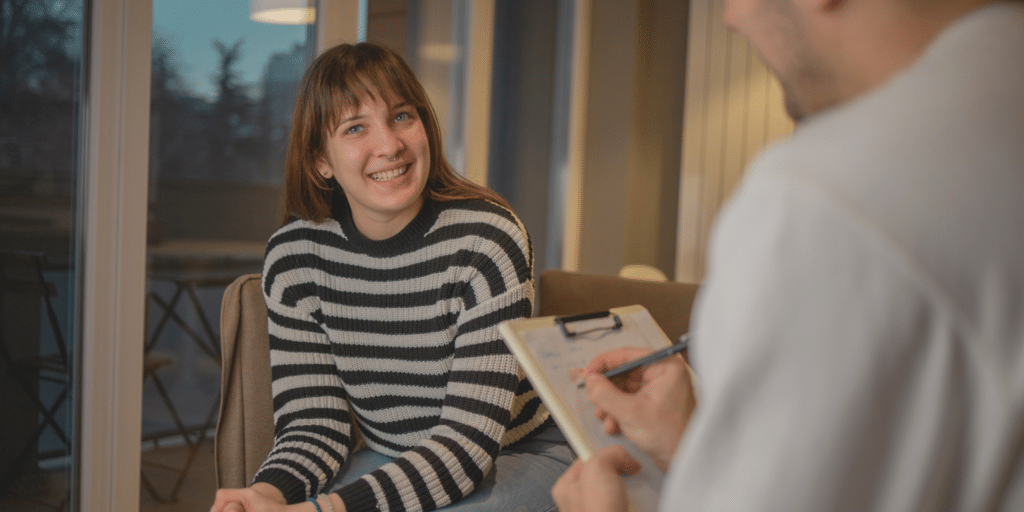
pixel 826 52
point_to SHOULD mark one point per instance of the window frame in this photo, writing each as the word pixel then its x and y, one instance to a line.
pixel 112 262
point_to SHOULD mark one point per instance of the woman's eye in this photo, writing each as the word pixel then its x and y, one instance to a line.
pixel 354 129
pixel 402 117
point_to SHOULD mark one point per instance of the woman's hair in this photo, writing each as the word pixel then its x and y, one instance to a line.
pixel 338 80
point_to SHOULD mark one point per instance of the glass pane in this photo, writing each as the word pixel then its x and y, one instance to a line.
pixel 41 47
pixel 223 91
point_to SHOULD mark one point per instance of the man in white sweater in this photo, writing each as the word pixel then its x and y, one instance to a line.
pixel 859 338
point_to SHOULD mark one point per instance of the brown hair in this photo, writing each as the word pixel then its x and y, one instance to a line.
pixel 337 81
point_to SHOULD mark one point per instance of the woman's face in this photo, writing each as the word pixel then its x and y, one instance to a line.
pixel 379 155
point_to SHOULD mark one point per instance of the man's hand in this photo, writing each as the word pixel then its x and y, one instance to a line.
pixel 594 485
pixel 651 407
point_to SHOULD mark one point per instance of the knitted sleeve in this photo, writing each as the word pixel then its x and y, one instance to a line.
pixel 477 406
pixel 311 418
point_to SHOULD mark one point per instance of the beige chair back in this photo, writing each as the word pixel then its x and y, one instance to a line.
pixel 245 430
pixel 571 293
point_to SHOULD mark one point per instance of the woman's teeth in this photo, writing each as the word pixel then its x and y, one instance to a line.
pixel 389 175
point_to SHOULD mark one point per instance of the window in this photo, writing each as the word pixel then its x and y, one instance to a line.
pixel 41 46
pixel 223 90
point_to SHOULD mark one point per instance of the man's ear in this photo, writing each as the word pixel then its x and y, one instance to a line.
pixel 822 5
pixel 830 5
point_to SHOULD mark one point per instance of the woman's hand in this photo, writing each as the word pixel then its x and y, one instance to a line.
pixel 261 497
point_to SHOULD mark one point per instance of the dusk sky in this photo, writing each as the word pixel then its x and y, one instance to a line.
pixel 191 25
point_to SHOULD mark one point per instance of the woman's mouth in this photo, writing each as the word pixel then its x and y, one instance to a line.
pixel 389 175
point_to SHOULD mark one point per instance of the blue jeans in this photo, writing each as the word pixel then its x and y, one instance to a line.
pixel 520 479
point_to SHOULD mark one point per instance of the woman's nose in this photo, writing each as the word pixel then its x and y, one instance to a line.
pixel 390 144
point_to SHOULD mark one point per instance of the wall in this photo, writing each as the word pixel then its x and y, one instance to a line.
pixel 628 114
pixel 733 108
pixel 668 109
pixel 659 84
pixel 524 121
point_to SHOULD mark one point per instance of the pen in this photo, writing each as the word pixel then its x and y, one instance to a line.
pixel 653 357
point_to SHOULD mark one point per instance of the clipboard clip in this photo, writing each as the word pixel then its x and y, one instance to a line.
pixel 563 322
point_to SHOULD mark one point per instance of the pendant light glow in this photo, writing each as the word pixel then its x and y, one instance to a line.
pixel 283 12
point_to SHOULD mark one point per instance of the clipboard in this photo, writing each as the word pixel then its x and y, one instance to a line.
pixel 552 350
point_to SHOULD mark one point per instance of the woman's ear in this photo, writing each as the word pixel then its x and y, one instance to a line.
pixel 324 169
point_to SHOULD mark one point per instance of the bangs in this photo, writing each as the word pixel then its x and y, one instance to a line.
pixel 347 90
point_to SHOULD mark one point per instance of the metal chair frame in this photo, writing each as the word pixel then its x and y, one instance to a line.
pixel 55 368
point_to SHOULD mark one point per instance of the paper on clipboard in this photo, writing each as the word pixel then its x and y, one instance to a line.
pixel 552 361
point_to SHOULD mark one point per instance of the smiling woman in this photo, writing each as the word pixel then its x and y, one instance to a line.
pixel 333 92
pixel 385 287
pixel 380 157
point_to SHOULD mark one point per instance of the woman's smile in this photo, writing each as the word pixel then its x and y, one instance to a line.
pixel 380 156
pixel 388 175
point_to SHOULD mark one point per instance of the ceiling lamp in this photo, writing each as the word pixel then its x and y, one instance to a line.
pixel 283 12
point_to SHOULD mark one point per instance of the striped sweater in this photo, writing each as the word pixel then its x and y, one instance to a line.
pixel 400 334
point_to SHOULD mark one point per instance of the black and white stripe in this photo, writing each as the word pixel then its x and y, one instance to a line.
pixel 405 330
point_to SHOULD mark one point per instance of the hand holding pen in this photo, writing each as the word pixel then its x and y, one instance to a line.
pixel 619 373
pixel 651 408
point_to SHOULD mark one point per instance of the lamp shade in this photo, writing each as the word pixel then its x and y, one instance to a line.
pixel 283 12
